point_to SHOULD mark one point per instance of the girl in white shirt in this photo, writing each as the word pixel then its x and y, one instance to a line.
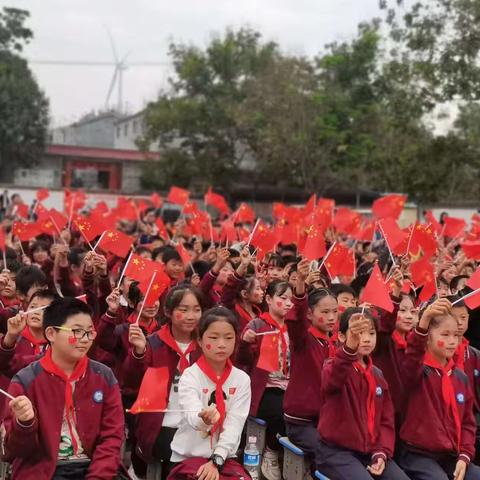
pixel 216 398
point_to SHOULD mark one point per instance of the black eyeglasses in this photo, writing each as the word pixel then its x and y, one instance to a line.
pixel 79 333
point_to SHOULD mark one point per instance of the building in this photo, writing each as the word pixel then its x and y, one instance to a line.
pixel 89 168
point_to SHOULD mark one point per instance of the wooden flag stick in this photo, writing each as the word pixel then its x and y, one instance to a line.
pixel 58 230
pixel 124 269
pixel 468 295
pixel 99 240
pixel 327 255
pixel 273 332
pixel 146 295
pixel 253 231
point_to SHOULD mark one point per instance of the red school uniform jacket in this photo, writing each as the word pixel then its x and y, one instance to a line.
pixel 33 450
pixel 389 355
pixel 307 356
pixel 467 359
pixel 346 421
pixel 429 425
pixel 158 354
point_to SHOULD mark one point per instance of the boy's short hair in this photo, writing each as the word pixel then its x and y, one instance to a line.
pixel 339 288
pixel 39 245
pixel 170 254
pixel 158 251
pixel 61 309
pixel 29 276
pixel 44 295
pixel 13 265
pixel 456 280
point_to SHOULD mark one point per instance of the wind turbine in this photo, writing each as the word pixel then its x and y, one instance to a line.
pixel 120 67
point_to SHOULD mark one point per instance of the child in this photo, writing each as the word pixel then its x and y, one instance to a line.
pixel 393 330
pixel 174 346
pixel 275 268
pixel 66 420
pixel 24 341
pixel 268 387
pixel 8 296
pixel 356 422
pixel 243 294
pixel 310 325
pixel 438 432
pixel 346 297
pixel 29 279
pixel 219 395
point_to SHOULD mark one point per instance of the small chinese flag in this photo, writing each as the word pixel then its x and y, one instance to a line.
pixel 268 358
pixel 184 255
pixel 340 261
pixel 162 229
pixel 394 235
pixel 153 289
pixel 228 232
pixel 454 227
pixel 389 206
pixel 156 200
pixel 116 242
pixel 178 195
pixel 474 283
pixel 346 220
pixel 140 268
pixel 89 227
pixel 376 292
pixel 42 194
pixel 216 200
pixel 314 247
pixel 59 220
pixel 244 214
pixel 471 250
pixel 25 231
pixel 153 392
pixel 434 223
pixel 22 210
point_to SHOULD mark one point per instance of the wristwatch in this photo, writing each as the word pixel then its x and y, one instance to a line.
pixel 218 461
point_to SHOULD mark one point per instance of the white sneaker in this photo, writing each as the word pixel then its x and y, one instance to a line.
pixel 131 473
pixel 270 465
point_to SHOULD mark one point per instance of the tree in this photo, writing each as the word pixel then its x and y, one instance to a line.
pixel 23 107
pixel 441 40
pixel 196 116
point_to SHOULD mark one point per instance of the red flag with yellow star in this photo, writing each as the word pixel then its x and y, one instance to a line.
pixel 268 358
pixel 153 289
pixel 89 227
pixel 376 292
pixel 244 214
pixel 340 261
pixel 314 247
pixel 25 231
pixel 178 195
pixel 140 268
pixel 389 206
pixel 116 242
pixel 153 392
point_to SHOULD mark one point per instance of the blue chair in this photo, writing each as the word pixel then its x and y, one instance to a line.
pixel 294 462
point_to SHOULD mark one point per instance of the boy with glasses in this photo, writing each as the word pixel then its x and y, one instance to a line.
pixel 66 420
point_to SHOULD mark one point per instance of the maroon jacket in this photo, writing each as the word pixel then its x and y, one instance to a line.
pixel 389 357
pixel 343 418
pixel 428 427
pixel 247 359
pixel 158 354
pixel 307 356
pixel 207 286
pixel 471 363
pixel 33 449
pixel 12 360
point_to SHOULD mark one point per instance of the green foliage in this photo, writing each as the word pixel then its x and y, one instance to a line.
pixel 23 107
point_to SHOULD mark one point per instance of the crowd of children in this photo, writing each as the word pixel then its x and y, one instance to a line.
pixel 164 349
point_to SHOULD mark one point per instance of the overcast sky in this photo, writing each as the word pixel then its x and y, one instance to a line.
pixel 76 31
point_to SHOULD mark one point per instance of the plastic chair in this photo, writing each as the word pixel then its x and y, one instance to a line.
pixel 294 464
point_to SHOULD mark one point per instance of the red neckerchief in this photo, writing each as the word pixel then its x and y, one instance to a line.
pixel 372 388
pixel 207 369
pixel 153 327
pixel 399 341
pixel 323 336
pixel 10 302
pixel 448 392
pixel 459 356
pixel 244 314
pixel 50 367
pixel 267 318
pixel 37 344
pixel 166 336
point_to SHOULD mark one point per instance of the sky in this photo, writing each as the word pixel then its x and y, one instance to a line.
pixel 67 30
